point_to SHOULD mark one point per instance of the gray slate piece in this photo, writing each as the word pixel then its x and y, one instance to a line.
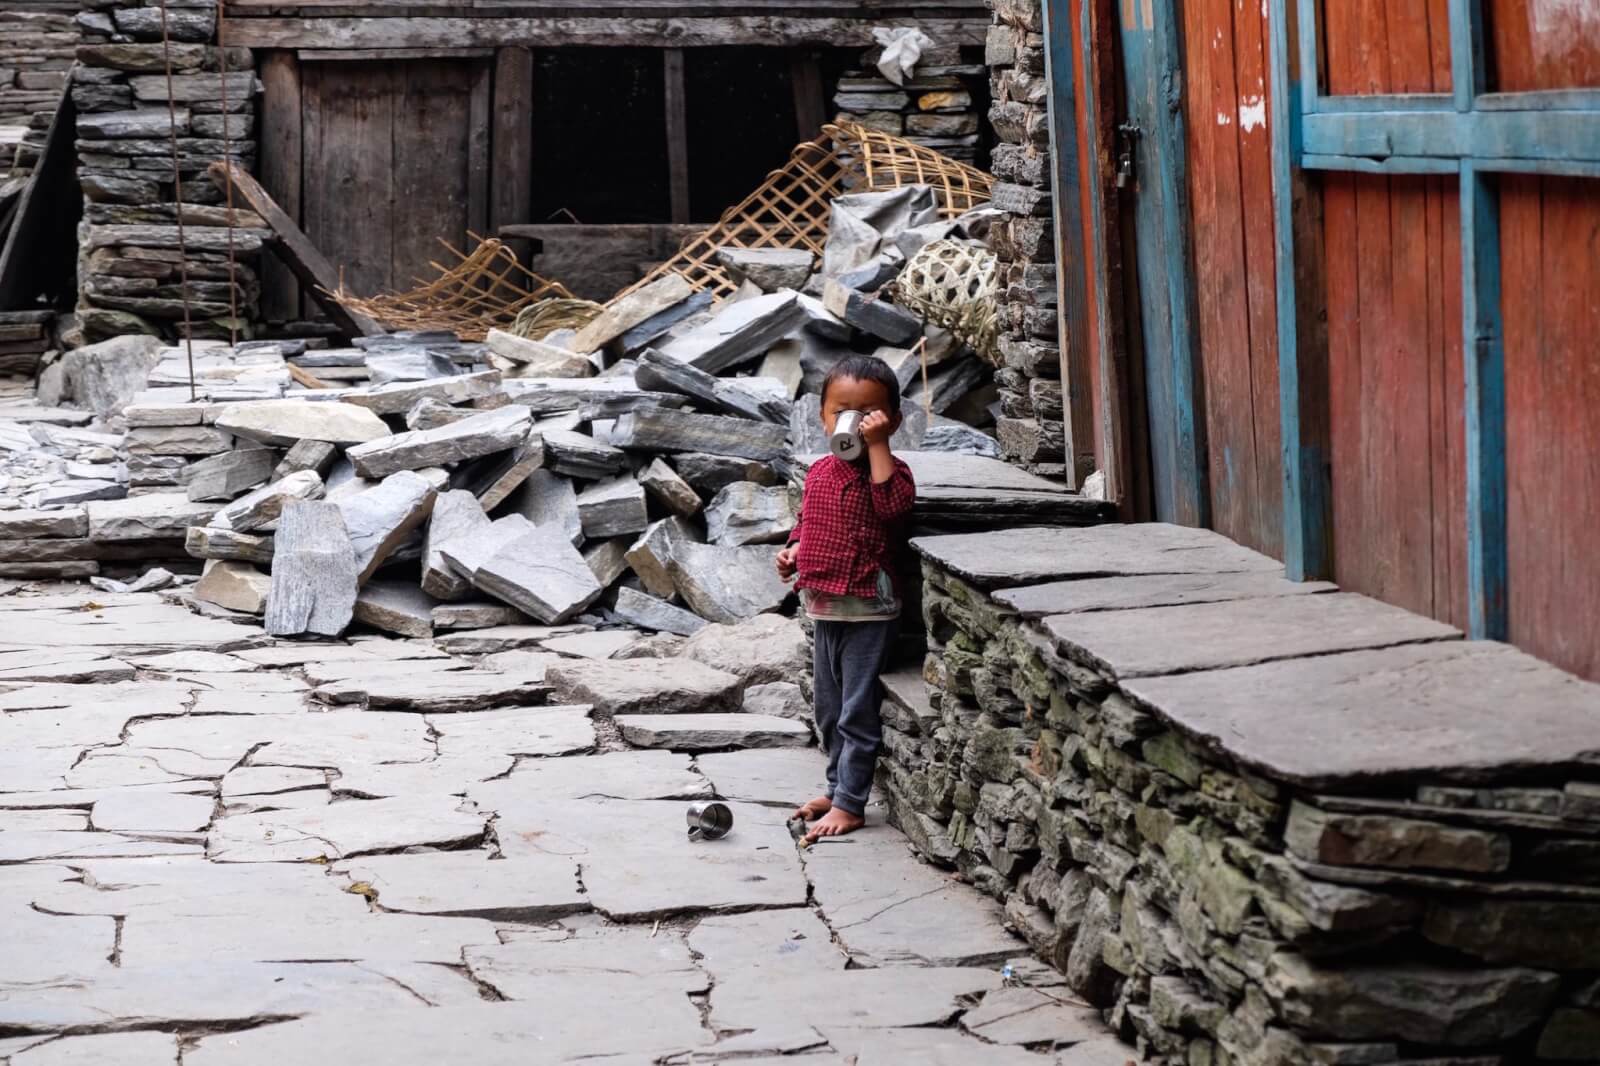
pixel 484 434
pixel 502 476
pixel 1151 590
pixel 658 324
pixel 67 522
pixel 870 315
pixel 222 477
pixel 576 455
pixel 648 612
pixel 542 575
pixel 707 474
pixel 646 686
pixel 1213 636
pixel 680 431
pixel 747 513
pixel 206 542
pixel 712 732
pixel 608 559
pixel 612 507
pixel 668 489
pixel 262 507
pixel 315 455
pixel 466 554
pixel 597 397
pixel 636 307
pixel 314 572
pixel 950 383
pixel 663 373
pixel 1368 718
pixel 739 333
pixel 399 398
pixel 397 607
pixel 727 584
pixel 651 555
pixel 548 500
pixel 1031 556
pixel 770 269
pixel 156 516
pixel 284 422
pixel 455 514
pixel 381 518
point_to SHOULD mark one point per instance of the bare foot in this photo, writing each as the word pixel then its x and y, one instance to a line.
pixel 811 810
pixel 836 823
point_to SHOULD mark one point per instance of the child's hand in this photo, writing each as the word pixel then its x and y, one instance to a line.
pixel 786 562
pixel 877 428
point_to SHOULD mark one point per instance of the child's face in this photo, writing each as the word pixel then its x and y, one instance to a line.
pixel 852 394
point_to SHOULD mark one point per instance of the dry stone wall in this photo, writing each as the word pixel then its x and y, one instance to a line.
pixel 1355 854
pixel 131 270
pixel 939 107
pixel 37 38
pixel 1031 426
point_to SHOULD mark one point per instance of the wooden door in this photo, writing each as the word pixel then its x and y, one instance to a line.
pixel 1150 158
pixel 395 156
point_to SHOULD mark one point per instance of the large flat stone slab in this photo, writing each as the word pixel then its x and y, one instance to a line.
pixel 535 888
pixel 531 731
pixel 150 939
pixel 286 422
pixel 780 777
pixel 855 999
pixel 1424 711
pixel 793 940
pixel 1213 636
pixel 540 574
pixel 727 585
pixel 1151 590
pixel 712 732
pixel 435 691
pixel 1010 557
pixel 482 434
pixel 315 572
pixel 647 686
pixel 761 650
pixel 888 909
pixel 343 829
pixel 623 775
pixel 638 864
pixel 630 955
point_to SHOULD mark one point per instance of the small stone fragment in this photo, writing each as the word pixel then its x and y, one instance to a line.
pixel 747 513
pixel 608 559
pixel 668 489
pixel 397 607
pixel 648 612
pixel 536 358
pixel 262 507
pixel 208 542
pixel 576 455
pixel 499 430
pixel 286 422
pixel 224 476
pixel 770 269
pixel 236 586
pixel 379 519
pixel 871 315
pixel 542 575
pixel 315 455
pixel 455 514
pixel 651 555
pixel 613 507
pixel 505 475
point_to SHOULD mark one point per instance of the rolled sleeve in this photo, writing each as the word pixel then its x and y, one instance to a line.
pixel 892 500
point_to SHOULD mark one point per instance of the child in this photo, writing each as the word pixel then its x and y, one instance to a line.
pixel 844 548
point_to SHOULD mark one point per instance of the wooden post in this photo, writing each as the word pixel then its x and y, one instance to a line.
pixel 511 177
pixel 478 148
pixel 281 159
pixel 810 101
pixel 677 133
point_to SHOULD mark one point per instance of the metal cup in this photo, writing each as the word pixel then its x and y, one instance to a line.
pixel 708 820
pixel 846 441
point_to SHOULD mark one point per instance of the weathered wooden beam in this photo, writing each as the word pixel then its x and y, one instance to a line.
pixel 479 110
pixel 281 154
pixel 296 250
pixel 676 107
pixel 348 55
pixel 810 95
pixel 511 176
pixel 311 32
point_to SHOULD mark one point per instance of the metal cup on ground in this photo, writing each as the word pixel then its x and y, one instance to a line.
pixel 709 820
pixel 846 440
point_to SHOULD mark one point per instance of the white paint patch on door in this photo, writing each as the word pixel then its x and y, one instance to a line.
pixel 1252 113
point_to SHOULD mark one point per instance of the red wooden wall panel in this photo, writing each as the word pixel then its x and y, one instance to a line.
pixel 1393 248
pixel 1550 247
pixel 1230 188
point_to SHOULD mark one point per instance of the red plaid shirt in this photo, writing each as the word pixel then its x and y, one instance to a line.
pixel 851 527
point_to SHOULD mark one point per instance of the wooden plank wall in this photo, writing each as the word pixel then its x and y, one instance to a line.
pixel 1230 187
pixel 1550 241
pixel 1394 335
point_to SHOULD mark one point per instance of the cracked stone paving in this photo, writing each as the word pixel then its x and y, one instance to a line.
pixel 217 848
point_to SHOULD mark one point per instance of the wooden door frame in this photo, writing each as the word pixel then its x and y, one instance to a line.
pixel 1471 133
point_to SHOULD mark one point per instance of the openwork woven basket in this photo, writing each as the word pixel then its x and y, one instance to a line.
pixel 791 209
pixel 954 285
pixel 487 289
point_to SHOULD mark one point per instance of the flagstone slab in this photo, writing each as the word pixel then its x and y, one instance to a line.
pixel 34 845
pixel 193 661
pixel 1152 590
pixel 153 812
pixel 192 887
pixel 343 829
pixel 1018 1016
pixel 940 1047
pixel 776 776
pixel 444 775
pixel 793 940
pixel 712 732
pixel 622 775
pixel 638 864
pixel 647 686
pixel 200 993
pixel 43 948
pixel 442 691
pixel 888 909
pixel 471 884
pixel 105 1049
pixel 535 731
pixel 151 939
pixel 502 638
pixel 856 999
pixel 629 955
pixel 598 645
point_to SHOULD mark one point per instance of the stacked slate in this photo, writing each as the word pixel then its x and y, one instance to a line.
pixel 131 278
pixel 1255 821
pixel 939 106
pixel 26 337
pixel 37 42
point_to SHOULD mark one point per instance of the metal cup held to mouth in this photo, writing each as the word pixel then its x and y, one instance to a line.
pixel 846 440
pixel 709 820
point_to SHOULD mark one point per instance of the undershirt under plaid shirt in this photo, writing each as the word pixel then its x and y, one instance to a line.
pixel 850 527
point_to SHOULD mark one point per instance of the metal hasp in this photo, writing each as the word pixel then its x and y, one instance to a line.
pixel 1476 135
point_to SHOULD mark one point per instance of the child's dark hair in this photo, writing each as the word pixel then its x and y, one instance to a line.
pixel 865 368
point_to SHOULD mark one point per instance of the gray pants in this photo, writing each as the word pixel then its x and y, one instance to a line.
pixel 848 658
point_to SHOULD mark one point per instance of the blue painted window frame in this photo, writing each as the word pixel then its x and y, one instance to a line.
pixel 1469 133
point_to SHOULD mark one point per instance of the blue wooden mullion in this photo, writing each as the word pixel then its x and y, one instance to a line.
pixel 1466 52
pixel 1307 21
pixel 1485 415
pixel 1307 501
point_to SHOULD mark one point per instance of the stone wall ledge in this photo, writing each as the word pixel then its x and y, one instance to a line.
pixel 1257 822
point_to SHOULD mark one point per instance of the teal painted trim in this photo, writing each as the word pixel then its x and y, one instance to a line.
pixel 1482 136
pixel 1391 165
pixel 1556 100
pixel 1424 102
pixel 1560 168
pixel 1307 501
pixel 1308 19
pixel 1467 65
pixel 1190 495
pixel 1484 373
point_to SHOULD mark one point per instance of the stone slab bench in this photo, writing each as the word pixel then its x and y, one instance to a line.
pixel 1256 821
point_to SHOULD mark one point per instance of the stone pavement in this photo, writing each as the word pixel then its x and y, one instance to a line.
pixel 220 849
